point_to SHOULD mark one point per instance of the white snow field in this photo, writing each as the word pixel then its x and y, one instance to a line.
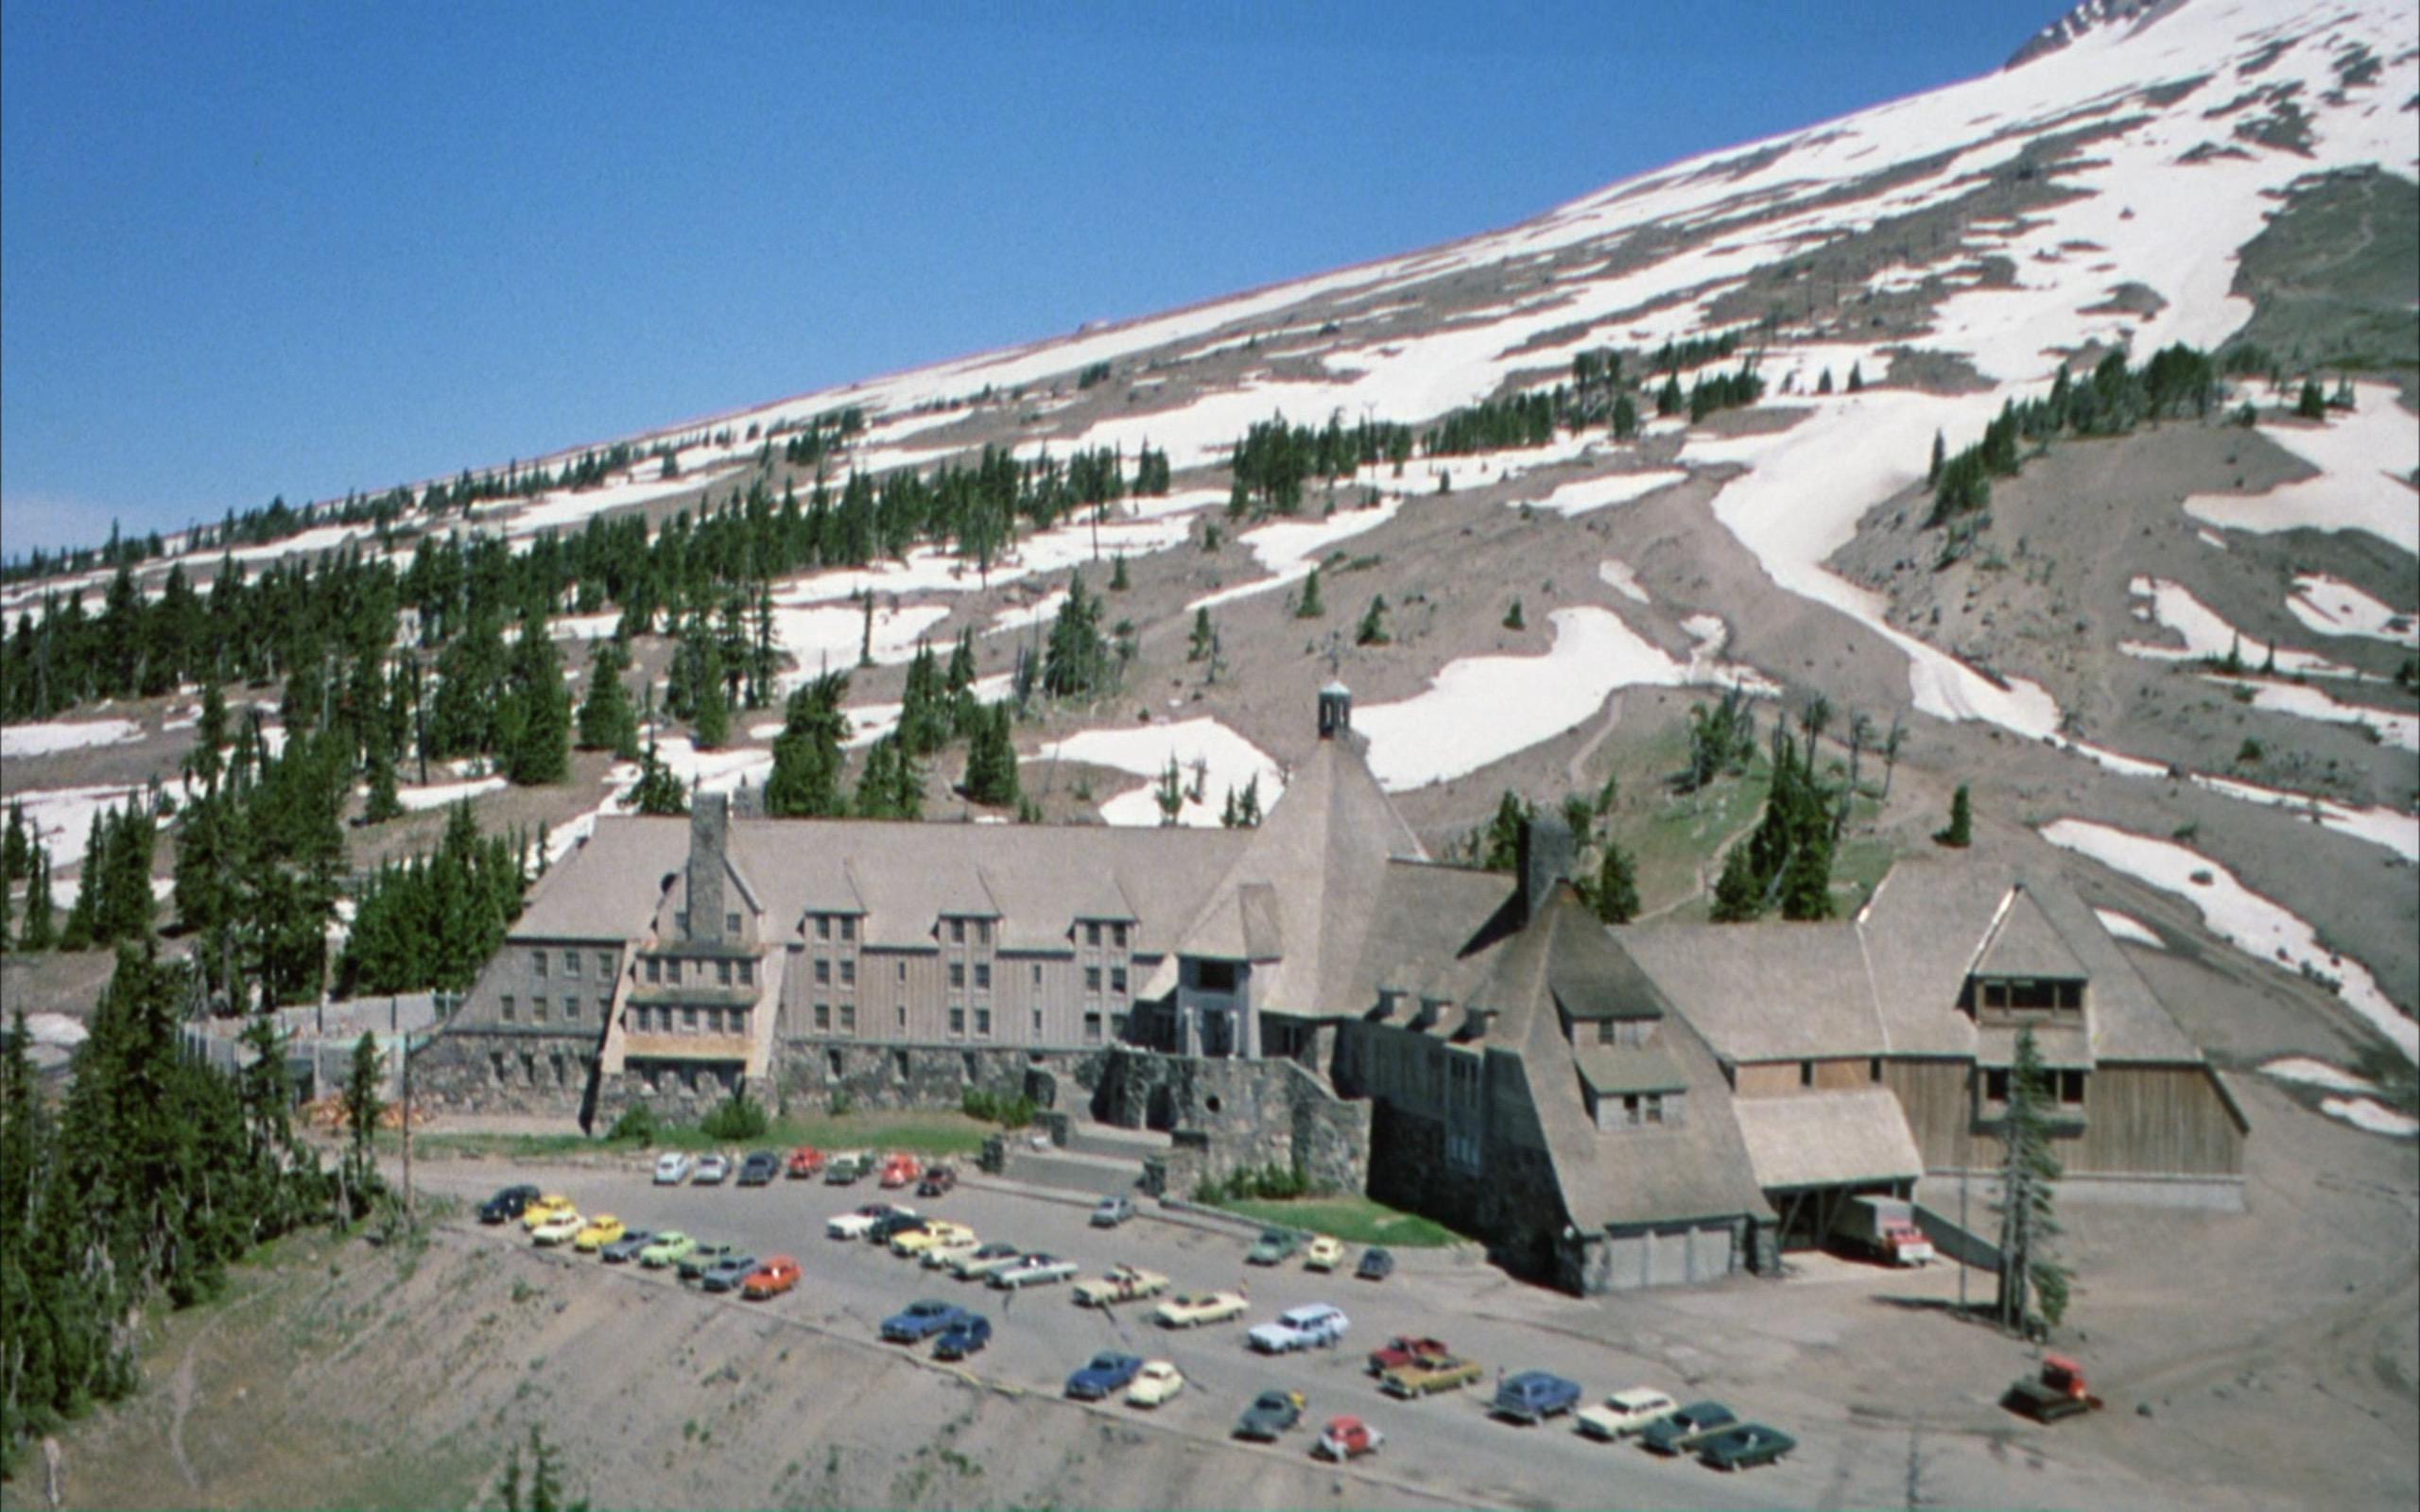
pixel 1291 548
pixel 1587 494
pixel 2366 462
pixel 65 735
pixel 2244 919
pixel 829 637
pixel 2304 702
pixel 2310 1073
pixel 2208 636
pixel 2127 927
pixel 2333 607
pixel 1483 709
pixel 1203 750
pixel 2370 1114
pixel 438 795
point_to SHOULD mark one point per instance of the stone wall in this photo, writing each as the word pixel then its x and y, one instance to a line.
pixel 1513 1204
pixel 475 1070
pixel 1231 1115
pixel 812 1074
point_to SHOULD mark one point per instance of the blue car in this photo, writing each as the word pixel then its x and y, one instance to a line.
pixel 1107 1372
pixel 921 1320
pixel 964 1337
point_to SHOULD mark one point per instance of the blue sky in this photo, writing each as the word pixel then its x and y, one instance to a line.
pixel 260 248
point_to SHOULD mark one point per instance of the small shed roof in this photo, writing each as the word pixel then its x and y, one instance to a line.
pixel 1828 1139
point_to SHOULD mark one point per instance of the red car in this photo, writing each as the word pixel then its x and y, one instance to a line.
pixel 771 1279
pixel 1347 1438
pixel 805 1163
pixel 1403 1350
pixel 901 1171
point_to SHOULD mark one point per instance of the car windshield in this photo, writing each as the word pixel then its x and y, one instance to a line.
pixel 1271 1401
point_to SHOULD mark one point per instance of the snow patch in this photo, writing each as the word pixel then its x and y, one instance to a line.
pixel 2366 462
pixel 2369 1113
pixel 2208 637
pixel 2127 927
pixel 2310 1073
pixel 22 741
pixel 1619 576
pixel 1609 489
pixel 1226 760
pixel 438 795
pixel 2333 607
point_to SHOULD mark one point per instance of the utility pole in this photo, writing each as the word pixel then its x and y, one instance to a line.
pixel 408 1123
pixel 1965 1159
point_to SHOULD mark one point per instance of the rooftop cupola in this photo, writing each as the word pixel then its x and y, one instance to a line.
pixel 1336 711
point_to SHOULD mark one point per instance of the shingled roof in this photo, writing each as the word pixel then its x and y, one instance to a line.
pixel 1828 1139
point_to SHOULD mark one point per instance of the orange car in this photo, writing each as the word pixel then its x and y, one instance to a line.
pixel 771 1279
pixel 805 1163
pixel 901 1171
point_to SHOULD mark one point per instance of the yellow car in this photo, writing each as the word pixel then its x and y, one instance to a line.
pixel 937 1235
pixel 545 1211
pixel 560 1229
pixel 1324 1254
pixel 601 1231
pixel 1208 1307
pixel 1154 1384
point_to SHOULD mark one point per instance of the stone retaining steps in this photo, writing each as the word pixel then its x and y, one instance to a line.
pixel 1135 1145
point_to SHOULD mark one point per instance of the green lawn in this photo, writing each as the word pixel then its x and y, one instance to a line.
pixel 918 1132
pixel 1357 1220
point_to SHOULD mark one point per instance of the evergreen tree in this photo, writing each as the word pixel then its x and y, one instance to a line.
pixel 2029 1220
pixel 1856 377
pixel 607 721
pixel 713 729
pixel 806 782
pixel 991 760
pixel 1118 581
pixel 1170 793
pixel 1738 896
pixel 1204 637
pixel 925 714
pixel 2312 405
pixel 1513 619
pixel 1824 384
pixel 383 801
pixel 1076 662
pixel 37 931
pixel 658 791
pixel 1961 830
pixel 1310 608
pixel 535 724
pixel 1940 454
pixel 1499 844
pixel 1616 890
pixel 1372 629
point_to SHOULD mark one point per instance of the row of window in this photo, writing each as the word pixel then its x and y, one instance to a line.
pixel 960 973
pixel 666 970
pixel 688 1019
pixel 730 924
pixel 538 959
pixel 2029 995
pixel 960 930
pixel 2068 1084
pixel 508 1007
pixel 826 1016
pixel 551 1072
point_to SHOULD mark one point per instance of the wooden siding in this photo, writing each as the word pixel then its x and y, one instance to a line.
pixel 1934 1096
pixel 881 990
pixel 1781 1078
pixel 2155 1120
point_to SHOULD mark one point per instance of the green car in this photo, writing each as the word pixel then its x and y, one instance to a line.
pixel 1276 1247
pixel 670 1248
pixel 703 1257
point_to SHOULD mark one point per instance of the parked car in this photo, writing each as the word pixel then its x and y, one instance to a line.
pixel 1680 1430
pixel 1276 1247
pixel 1270 1413
pixel 546 1209
pixel 1625 1412
pixel 891 1224
pixel 845 1168
pixel 979 1263
pixel 933 1235
pixel 1403 1350
pixel 1192 1310
pixel 759 1168
pixel 964 1337
pixel 902 1171
pixel 673 1167
pixel 1534 1396
pixel 938 1182
pixel 1120 1284
pixel 561 1228
pixel 1427 1376
pixel 1324 1254
pixel 713 1170
pixel 1031 1270
pixel 1105 1372
pixel 1376 1264
pixel 703 1257
pixel 1156 1382
pixel 1743 1445
pixel 943 1256
pixel 1346 1438
pixel 804 1165
pixel 1310 1326
pixel 856 1225
pixel 507 1204
pixel 729 1273
pixel 1110 1212
pixel 628 1248
pixel 670 1248
pixel 919 1320
pixel 771 1279
pixel 598 1233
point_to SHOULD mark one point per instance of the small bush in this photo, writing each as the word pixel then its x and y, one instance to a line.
pixel 637 1125
pixel 1009 1113
pixel 740 1117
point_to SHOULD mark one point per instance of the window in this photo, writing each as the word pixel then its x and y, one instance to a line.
pixel 1092 935
pixel 739 1020
pixel 1656 1108
pixel 654 969
pixel 1214 977
pixel 689 1020
pixel 510 1012
pixel 537 963
pixel 1995 1085
pixel 982 1024
pixel 823 1016
pixel 731 923
pixel 571 1009
pixel 1630 1109
pixel 1117 936
pixel 1874 1068
pixel 748 973
pixel 1037 1024
pixel 722 974
pixel 571 963
pixel 605 966
pixel 849 973
pixel 958 931
pixel 672 970
pixel 957 975
pixel 495 1061
pixel 983 976
pixel 1806 1074
pixel 1117 1026
pixel 822 974
pixel 1604 1031
pixel 1117 980
pixel 982 932
pixel 2071 1089
pixel 537 1010
pixel 848 1018
pixel 1092 978
pixel 1092 1028
pixel 1037 974
pixel 957 1020
pixel 848 926
pixel 823 926
pixel 713 1019
pixel 901 1011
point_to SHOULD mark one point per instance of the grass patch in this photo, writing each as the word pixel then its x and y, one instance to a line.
pixel 1667 835
pixel 919 1132
pixel 1354 1220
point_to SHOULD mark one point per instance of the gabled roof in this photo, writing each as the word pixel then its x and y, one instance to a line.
pixel 966 893
pixel 1766 991
pixel 2024 942
pixel 1622 1071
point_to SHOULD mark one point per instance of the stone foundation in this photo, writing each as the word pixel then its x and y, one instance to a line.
pixel 1231 1115
pixel 529 1071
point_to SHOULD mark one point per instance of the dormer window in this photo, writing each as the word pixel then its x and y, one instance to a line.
pixel 2027 995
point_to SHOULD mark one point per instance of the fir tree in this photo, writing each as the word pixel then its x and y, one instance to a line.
pixel 2312 405
pixel 1738 896
pixel 607 721
pixel 2029 1219
pixel 1961 829
pixel 1372 629
pixel 1310 608
pixel 1076 662
pixel 1170 793
pixel 1499 844
pixel 1204 637
pixel 712 730
pixel 991 760
pixel 36 933
pixel 1856 377
pixel 658 791
pixel 1940 454
pixel 535 723
pixel 1118 581
pixel 806 782
pixel 383 801
pixel 1616 894
pixel 1513 619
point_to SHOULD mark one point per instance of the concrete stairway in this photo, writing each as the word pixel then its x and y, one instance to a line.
pixel 1097 1158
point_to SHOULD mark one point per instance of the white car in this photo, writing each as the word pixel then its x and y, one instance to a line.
pixel 858 1222
pixel 713 1170
pixel 942 1257
pixel 1156 1382
pixel 978 1264
pixel 1625 1412
pixel 673 1167
pixel 560 1229
pixel 1032 1270
pixel 1310 1326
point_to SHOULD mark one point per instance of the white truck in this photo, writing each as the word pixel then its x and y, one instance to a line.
pixel 1884 1228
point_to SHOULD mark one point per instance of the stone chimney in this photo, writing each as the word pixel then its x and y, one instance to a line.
pixel 1548 851
pixel 1336 711
pixel 709 833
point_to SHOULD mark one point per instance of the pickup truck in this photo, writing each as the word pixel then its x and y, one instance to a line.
pixel 1534 1396
pixel 1105 1372
pixel 1031 1270
pixel 1121 1283
pixel 845 1168
pixel 1403 1350
pixel 1681 1432
pixel 1310 1326
pixel 2058 1391
pixel 1884 1228
pixel 1419 1378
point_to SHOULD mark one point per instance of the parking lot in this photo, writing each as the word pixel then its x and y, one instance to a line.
pixel 1448 1444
